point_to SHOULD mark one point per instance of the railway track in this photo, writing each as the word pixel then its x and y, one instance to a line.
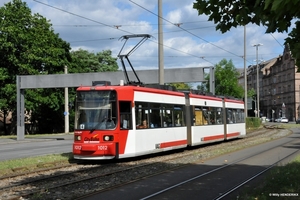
pixel 224 170
pixel 235 188
pixel 101 177
pixel 33 187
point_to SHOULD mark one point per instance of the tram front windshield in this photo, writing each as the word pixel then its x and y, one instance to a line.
pixel 95 110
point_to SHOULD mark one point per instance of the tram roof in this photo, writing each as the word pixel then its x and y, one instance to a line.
pixel 160 89
pixel 151 89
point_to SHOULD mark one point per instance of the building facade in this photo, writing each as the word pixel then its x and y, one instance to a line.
pixel 279 86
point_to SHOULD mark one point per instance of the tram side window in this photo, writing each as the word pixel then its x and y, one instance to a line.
pixel 198 115
pixel 219 114
pixel 243 116
pixel 179 115
pixel 154 115
pixel 239 115
pixel 172 115
pixel 207 115
pixel 141 115
pixel 157 115
pixel 125 115
pixel 167 115
pixel 235 116
pixel 230 116
pixel 212 115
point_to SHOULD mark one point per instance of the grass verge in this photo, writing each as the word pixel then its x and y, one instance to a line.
pixel 33 163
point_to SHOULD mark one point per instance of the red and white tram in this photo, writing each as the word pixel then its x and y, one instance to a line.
pixel 113 122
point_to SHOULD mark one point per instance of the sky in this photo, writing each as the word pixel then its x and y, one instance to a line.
pixel 189 40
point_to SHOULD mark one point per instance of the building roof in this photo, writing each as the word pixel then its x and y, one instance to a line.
pixel 267 65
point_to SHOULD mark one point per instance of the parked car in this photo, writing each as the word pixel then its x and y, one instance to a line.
pixel 283 120
pixel 298 121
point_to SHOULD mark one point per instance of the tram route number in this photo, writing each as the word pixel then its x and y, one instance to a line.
pixel 102 148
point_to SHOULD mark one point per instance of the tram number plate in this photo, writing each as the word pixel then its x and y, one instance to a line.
pixel 102 148
pixel 77 147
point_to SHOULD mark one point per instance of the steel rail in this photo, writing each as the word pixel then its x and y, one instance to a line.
pixel 212 171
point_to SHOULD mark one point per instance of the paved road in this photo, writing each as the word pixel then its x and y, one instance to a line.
pixel 42 145
pixel 188 183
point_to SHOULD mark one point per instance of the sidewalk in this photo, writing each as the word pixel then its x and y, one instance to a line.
pixel 37 138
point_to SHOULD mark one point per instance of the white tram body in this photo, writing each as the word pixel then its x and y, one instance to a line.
pixel 146 120
pixel 204 132
pixel 235 127
pixel 148 141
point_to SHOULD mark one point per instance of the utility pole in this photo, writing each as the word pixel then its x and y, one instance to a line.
pixel 257 79
pixel 66 113
pixel 160 45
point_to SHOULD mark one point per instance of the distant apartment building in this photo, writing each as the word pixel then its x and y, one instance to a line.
pixel 279 86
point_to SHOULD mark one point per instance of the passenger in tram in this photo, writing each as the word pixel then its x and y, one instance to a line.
pixel 143 125
pixel 229 121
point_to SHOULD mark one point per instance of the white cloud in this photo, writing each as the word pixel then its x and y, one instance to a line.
pixel 91 25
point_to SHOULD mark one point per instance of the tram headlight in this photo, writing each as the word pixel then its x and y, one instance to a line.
pixel 77 137
pixel 108 138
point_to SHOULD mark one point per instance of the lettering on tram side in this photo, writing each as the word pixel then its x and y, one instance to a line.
pixel 93 139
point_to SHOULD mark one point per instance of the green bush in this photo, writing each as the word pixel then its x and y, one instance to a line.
pixel 253 122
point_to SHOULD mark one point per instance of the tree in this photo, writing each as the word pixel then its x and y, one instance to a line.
pixel 181 86
pixel 251 93
pixel 85 62
pixel 226 80
pixel 202 88
pixel 29 46
pixel 275 15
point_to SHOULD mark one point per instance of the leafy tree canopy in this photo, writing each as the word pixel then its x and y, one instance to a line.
pixel 28 46
pixel 202 87
pixel 85 62
pixel 181 86
pixel 226 80
pixel 251 93
pixel 275 15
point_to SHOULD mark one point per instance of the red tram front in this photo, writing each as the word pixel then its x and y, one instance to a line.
pixel 98 134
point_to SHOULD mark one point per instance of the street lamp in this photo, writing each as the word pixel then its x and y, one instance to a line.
pixel 257 78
